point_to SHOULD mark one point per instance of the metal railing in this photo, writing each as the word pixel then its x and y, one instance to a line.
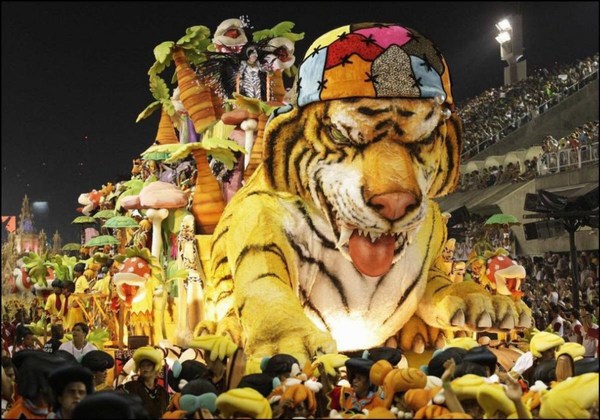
pixel 567 159
pixel 557 98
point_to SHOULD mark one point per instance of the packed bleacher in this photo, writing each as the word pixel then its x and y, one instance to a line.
pixel 497 112
pixel 577 149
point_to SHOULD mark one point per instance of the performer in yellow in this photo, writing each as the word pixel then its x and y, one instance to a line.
pixel 73 312
pixel 55 304
pixel 103 285
pixel 81 281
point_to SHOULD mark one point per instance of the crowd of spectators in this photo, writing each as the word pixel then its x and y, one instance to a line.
pixel 548 290
pixel 496 175
pixel 579 147
pixel 498 111
pixel 377 384
pixel 579 138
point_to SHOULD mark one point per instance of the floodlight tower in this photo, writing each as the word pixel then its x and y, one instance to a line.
pixel 510 38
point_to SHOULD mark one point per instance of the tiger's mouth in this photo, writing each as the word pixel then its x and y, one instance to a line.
pixel 373 254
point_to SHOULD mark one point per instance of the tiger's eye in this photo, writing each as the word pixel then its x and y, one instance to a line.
pixel 337 135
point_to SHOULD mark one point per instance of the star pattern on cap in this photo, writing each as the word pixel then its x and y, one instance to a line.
pixel 427 64
pixel 316 50
pixel 371 78
pixel 346 60
pixel 417 82
pixel 368 40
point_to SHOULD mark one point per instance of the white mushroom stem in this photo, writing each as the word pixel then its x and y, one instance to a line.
pixel 156 216
pixel 249 126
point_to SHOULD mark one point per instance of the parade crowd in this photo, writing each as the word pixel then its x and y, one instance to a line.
pixel 68 378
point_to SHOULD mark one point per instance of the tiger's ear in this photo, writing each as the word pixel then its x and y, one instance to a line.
pixel 448 170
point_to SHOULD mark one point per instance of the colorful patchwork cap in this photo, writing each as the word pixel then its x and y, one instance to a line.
pixel 374 60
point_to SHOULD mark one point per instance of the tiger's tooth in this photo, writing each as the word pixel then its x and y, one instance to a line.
pixel 374 236
pixel 345 234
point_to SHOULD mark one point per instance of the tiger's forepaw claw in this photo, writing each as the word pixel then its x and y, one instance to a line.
pixel 458 319
pixel 484 321
pixel 507 323
pixel 418 344
pixel 524 321
pixel 440 341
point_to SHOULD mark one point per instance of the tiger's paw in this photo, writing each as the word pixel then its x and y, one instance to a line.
pixel 525 320
pixel 228 327
pixel 468 306
pixel 304 347
pixel 416 336
pixel 205 328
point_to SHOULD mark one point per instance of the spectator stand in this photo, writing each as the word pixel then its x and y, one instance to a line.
pixel 499 111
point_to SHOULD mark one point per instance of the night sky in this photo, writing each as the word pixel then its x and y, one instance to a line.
pixel 74 74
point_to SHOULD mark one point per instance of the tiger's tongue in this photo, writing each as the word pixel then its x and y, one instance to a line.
pixel 372 258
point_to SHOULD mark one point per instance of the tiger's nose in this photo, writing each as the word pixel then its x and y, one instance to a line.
pixel 393 206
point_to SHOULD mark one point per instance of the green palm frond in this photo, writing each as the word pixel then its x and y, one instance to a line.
pixel 63 267
pixel 174 273
pixel 283 29
pixel 215 142
pixel 37 267
pixel 98 337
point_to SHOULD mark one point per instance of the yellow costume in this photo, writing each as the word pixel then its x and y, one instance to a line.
pixel 102 285
pixel 74 313
pixel 81 284
pixel 54 310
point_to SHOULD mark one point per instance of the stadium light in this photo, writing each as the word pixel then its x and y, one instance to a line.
pixel 503 37
pixel 510 38
pixel 503 25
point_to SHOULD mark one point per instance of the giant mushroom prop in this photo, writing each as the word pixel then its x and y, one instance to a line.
pixel 130 283
pixel 158 197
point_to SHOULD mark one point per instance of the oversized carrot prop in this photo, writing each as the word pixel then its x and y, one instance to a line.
pixel 166 131
pixel 196 97
pixel 207 201
pixel 256 156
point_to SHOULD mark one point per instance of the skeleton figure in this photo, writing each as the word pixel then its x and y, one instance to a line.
pixel 251 76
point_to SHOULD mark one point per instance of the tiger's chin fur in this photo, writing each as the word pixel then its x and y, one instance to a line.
pixel 334 234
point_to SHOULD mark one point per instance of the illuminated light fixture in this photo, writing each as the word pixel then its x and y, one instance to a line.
pixel 503 37
pixel 503 25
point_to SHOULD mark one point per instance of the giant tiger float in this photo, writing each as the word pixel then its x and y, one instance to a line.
pixel 305 223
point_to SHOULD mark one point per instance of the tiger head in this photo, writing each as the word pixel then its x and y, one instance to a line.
pixel 372 139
